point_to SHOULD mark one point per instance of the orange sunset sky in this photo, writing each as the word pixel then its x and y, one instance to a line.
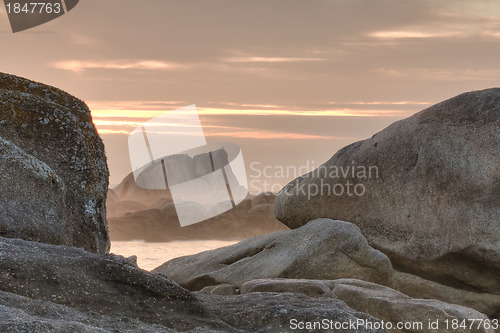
pixel 290 81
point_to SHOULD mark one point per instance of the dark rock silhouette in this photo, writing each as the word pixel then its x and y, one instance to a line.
pixel 94 291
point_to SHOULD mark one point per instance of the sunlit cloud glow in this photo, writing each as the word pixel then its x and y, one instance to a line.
pixel 411 34
pixel 79 66
pixel 123 117
pixel 136 111
pixel 268 135
pixel 270 59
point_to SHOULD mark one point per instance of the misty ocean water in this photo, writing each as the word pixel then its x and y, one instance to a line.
pixel 152 255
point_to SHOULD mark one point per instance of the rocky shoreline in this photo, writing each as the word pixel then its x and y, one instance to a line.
pixel 421 245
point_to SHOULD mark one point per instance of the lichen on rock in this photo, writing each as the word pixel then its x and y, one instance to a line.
pixel 54 130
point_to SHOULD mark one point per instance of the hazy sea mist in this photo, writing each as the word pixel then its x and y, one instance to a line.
pixel 152 255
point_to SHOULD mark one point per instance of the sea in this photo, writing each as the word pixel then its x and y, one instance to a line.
pixel 152 255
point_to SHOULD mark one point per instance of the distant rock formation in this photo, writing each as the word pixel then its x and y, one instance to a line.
pixel 434 206
pixel 137 213
pixel 128 190
pixel 53 167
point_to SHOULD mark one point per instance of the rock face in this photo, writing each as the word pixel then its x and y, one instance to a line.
pixel 286 312
pixel 392 306
pixel 432 200
pixel 383 304
pixel 56 167
pixel 415 286
pixel 49 288
pixel 25 180
pixel 311 288
pixel 322 249
pixel 44 283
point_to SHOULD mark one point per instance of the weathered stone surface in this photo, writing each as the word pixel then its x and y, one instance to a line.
pixel 311 288
pixel 392 306
pixel 54 129
pixel 221 289
pixel 434 208
pixel 322 249
pixel 415 286
pixel 31 194
pixel 274 312
pixel 108 290
pixel 23 314
pixel 48 288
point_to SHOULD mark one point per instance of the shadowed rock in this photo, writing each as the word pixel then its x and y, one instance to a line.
pixel 53 131
pixel 94 290
pixel 392 306
pixel 322 249
pixel 415 286
pixel 311 288
pixel 433 203
pixel 282 312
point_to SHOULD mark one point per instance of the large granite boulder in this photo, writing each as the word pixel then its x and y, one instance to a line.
pixel 425 191
pixel 288 312
pixel 66 289
pixel 388 308
pixel 56 167
pixel 25 182
pixel 415 286
pixel 50 288
pixel 414 315
pixel 322 249
pixel 311 288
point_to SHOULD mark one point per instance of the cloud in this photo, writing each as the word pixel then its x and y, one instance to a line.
pixel 240 120
pixel 79 39
pixel 268 135
pixel 382 103
pixel 81 65
pixel 218 131
pixel 448 19
pixel 494 34
pixel 144 110
pixel 270 59
pixel 442 74
pixel 411 34
pixel 340 112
